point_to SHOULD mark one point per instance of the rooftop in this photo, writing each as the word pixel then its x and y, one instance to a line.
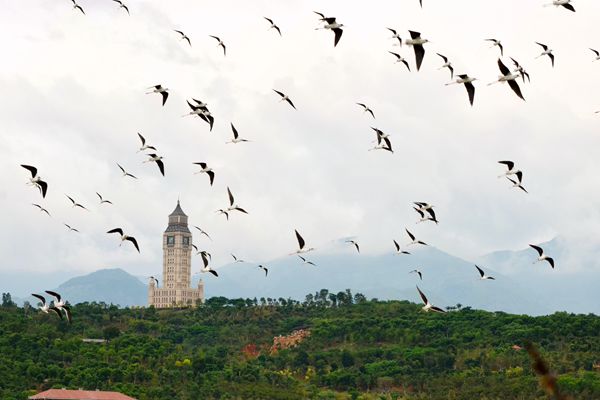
pixel 63 394
pixel 178 210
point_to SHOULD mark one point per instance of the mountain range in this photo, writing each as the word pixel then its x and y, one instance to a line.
pixel 520 286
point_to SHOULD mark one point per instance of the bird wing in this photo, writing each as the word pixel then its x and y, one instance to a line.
pixel 357 247
pixel 370 112
pixel 388 143
pixel 202 164
pixel 329 20
pixel 53 294
pixel 188 40
pixel 396 54
pixel 595 52
pixel 509 164
pixel 279 93
pixel 234 257
pixel 195 247
pixel 503 68
pixel 116 230
pixel 392 30
pixel 42 298
pixel 181 33
pixel 419 211
pixel 397 245
pixel 415 34
pixel 241 210
pixel 269 19
pixel 70 198
pixel 443 57
pixel 211 121
pixel 543 45
pixel 480 271
pixel 419 54
pixel 551 58
pixel 231 200
pixel 410 234
pixel 99 196
pixel 338 35
pixel 161 166
pixel 212 271
pixel 569 7
pixel 235 132
pixel 132 240
pixel 406 63
pixel 165 95
pixel 515 62
pixel 519 175
pixel 215 37
pixel 121 168
pixel 471 91
pixel 301 242
pixel 515 87
pixel 437 309
pixel 31 169
pixel 320 14
pixel 420 275
pixel 211 175
pixel 44 187
pixel 451 71
pixel 432 213
pixel 290 102
pixel 537 248
pixel 142 138
pixel 67 310
pixel 423 297
pixel 501 49
pixel 550 261
pixel 57 311
pixel 204 259
pixel 224 49
pixel 277 29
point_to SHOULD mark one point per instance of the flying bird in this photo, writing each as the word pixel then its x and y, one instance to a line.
pixel 301 245
pixel 521 70
pixel 163 91
pixel 102 201
pixel 401 59
pixel 36 180
pixel 45 307
pixel 202 232
pixel 304 261
pixel 232 205
pixel 202 111
pixel 273 26
pixel 75 204
pixel 204 253
pixel 496 42
pixel 125 237
pixel 564 3
pixel 424 206
pixel 382 136
pixel 206 267
pixel 77 7
pixel 416 271
pixel 264 269
pixel 236 136
pixel 184 37
pixel 60 304
pixel 395 35
pixel 207 170
pixel 542 256
pixel 414 240
pixel 466 80
pixel 125 173
pixel 431 216
pixel 355 244
pixel 547 52
pixel 334 26
pixel 510 168
pixel 428 306
pixel 417 43
pixel 154 279
pixel 483 275
pixel 510 78
pixel 220 44
pixel 366 109
pixel 284 97
pixel 121 5
pixel 518 182
pixel 236 260
pixel 398 251
pixel 447 64
pixel 144 145
pixel 71 229
pixel 158 161
pixel 42 209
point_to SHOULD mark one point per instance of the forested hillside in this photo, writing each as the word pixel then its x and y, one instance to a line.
pixel 333 346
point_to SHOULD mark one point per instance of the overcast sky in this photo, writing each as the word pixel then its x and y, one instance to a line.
pixel 73 99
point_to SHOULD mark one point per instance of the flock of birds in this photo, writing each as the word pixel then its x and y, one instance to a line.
pixel 199 108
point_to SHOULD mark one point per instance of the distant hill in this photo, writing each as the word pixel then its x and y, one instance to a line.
pixel 106 285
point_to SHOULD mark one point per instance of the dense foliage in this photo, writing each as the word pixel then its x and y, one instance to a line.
pixel 356 349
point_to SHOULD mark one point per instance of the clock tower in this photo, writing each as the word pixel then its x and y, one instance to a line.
pixel 177 266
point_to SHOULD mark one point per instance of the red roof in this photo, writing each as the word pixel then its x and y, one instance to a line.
pixel 62 394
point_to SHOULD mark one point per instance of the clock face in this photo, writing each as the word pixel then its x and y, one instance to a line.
pixel 170 240
pixel 186 241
